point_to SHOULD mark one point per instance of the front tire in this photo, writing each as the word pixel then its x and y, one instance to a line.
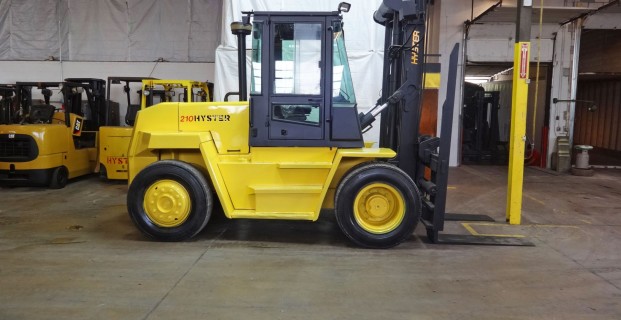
pixel 377 205
pixel 170 201
pixel 59 178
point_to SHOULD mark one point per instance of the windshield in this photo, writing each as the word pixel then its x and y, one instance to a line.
pixel 255 70
pixel 342 85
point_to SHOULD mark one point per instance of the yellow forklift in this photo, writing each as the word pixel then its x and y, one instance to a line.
pixel 296 147
pixel 114 139
pixel 47 142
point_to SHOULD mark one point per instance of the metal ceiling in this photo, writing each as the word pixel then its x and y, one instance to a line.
pixel 485 70
pixel 612 7
pixel 551 15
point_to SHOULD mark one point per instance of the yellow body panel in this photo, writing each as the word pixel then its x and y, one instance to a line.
pixel 432 80
pixel 113 145
pixel 278 180
pixel 257 182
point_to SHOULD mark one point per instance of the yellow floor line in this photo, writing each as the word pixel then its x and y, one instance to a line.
pixel 550 226
pixel 535 199
pixel 473 232
pixel 469 226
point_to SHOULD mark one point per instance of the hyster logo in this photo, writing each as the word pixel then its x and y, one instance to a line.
pixel 117 160
pixel 206 118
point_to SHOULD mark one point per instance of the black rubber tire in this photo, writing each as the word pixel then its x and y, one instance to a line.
pixel 59 178
pixel 363 175
pixel 103 172
pixel 195 184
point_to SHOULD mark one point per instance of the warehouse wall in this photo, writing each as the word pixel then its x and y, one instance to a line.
pixel 600 82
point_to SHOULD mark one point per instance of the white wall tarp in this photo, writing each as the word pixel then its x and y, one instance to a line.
pixel 29 29
pixel 110 30
pixel 98 30
pixel 364 41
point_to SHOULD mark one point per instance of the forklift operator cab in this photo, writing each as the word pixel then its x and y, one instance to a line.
pixel 301 91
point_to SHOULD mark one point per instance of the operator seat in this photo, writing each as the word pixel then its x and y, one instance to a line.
pixel 130 116
pixel 41 113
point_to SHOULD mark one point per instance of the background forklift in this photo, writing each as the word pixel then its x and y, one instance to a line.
pixel 114 139
pixel 8 102
pixel 480 136
pixel 48 144
pixel 296 147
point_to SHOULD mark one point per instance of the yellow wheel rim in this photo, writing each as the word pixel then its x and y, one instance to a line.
pixel 379 208
pixel 167 203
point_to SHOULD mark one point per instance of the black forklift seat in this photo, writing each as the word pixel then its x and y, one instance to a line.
pixel 41 113
pixel 130 116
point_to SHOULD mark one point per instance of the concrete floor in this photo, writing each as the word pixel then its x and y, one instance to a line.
pixel 74 254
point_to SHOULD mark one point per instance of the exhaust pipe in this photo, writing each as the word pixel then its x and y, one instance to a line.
pixel 241 30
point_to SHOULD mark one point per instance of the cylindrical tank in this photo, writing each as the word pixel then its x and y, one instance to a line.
pixel 582 158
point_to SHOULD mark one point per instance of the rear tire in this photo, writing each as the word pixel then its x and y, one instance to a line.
pixel 59 179
pixel 377 205
pixel 103 172
pixel 170 201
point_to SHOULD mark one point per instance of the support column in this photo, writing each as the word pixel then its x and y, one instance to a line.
pixel 521 60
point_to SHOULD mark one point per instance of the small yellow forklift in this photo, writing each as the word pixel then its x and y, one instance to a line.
pixel 296 146
pixel 47 142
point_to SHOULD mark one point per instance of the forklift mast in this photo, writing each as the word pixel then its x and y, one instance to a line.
pixel 96 97
pixel 425 159
pixel 403 70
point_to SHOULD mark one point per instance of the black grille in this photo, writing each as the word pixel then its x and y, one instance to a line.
pixel 17 148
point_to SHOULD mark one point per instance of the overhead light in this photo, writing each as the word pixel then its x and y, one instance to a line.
pixel 476 79
pixel 344 7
